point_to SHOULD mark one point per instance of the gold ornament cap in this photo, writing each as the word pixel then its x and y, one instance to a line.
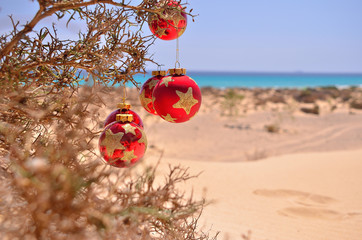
pixel 124 118
pixel 124 106
pixel 177 71
pixel 159 73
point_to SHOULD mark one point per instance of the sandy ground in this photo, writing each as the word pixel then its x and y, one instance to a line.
pixel 303 182
pixel 295 196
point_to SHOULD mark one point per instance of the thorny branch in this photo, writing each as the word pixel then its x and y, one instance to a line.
pixel 52 181
pixel 48 8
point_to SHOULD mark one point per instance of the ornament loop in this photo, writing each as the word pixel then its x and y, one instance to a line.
pixel 159 67
pixel 177 64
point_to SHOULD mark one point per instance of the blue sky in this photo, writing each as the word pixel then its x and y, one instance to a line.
pixel 257 35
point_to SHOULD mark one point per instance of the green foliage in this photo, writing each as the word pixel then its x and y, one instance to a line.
pixel 231 102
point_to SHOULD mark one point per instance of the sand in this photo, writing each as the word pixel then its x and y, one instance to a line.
pixel 301 181
pixel 296 196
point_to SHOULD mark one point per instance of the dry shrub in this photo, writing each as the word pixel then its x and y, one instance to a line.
pixel 307 96
pixel 272 128
pixel 312 110
pixel 356 104
pixel 53 185
pixel 231 103
pixel 276 98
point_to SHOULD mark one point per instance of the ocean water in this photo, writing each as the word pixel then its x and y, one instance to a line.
pixel 269 80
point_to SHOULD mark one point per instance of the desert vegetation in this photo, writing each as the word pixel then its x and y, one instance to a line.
pixel 53 184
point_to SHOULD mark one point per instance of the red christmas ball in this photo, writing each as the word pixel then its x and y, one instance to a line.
pixel 112 117
pixel 122 144
pixel 147 90
pixel 171 25
pixel 177 97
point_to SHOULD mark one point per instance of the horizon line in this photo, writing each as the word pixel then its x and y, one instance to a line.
pixel 269 72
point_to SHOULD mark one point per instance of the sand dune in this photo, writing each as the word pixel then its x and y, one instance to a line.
pixel 302 181
pixel 209 137
pixel 299 196
pixel 214 135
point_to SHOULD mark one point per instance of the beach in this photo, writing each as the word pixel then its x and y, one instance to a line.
pixel 258 137
pixel 274 163
pixel 294 196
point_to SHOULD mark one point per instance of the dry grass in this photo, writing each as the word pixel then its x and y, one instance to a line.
pixel 272 128
pixel 313 110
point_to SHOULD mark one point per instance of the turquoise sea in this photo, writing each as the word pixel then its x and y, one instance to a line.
pixel 269 80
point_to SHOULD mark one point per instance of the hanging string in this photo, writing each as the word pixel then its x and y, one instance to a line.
pixel 124 93
pixel 177 54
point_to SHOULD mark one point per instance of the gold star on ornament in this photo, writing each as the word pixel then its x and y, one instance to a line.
pixel 169 118
pixel 143 139
pixel 152 83
pixel 112 142
pixel 145 101
pixel 177 18
pixel 187 101
pixel 128 156
pixel 166 80
pixel 161 31
pixel 128 128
